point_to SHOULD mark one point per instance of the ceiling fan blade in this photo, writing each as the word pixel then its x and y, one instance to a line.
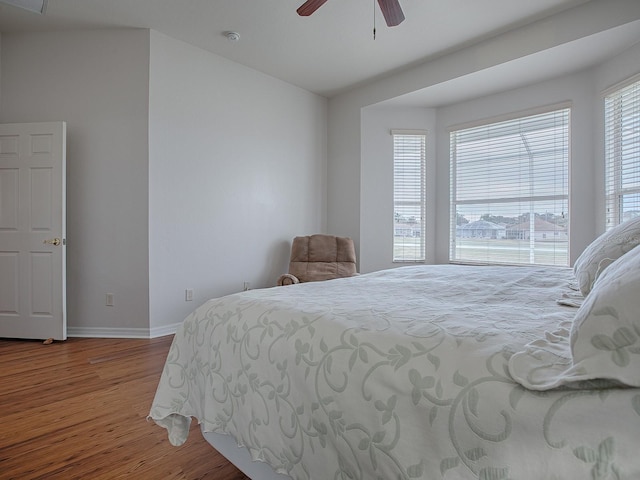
pixel 310 6
pixel 392 12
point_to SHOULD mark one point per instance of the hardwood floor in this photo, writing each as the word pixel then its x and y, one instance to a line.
pixel 77 409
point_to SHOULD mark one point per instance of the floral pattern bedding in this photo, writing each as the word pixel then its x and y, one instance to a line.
pixel 396 374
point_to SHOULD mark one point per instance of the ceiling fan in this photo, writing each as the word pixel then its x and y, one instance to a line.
pixel 391 10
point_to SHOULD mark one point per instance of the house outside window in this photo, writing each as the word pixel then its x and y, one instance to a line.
pixel 509 191
pixel 622 153
pixel 409 195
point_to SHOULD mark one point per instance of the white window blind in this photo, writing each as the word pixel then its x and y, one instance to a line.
pixel 622 154
pixel 409 165
pixel 509 191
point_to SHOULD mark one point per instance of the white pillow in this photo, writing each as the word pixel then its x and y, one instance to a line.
pixel 601 347
pixel 605 250
pixel 605 335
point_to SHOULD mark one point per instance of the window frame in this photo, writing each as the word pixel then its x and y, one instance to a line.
pixel 420 202
pixel 453 198
pixel 613 153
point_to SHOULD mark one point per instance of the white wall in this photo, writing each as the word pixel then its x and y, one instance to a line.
pixel 197 188
pixel 347 143
pixel 237 169
pixel 96 81
pixel 185 170
pixel 343 170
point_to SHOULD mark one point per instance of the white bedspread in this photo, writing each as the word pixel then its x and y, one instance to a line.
pixel 395 374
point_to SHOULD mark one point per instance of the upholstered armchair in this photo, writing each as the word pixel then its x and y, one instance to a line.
pixel 320 257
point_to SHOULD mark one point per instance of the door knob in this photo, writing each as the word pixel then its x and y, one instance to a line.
pixel 53 241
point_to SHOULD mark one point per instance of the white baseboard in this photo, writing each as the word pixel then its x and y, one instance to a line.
pixel 165 330
pixel 107 332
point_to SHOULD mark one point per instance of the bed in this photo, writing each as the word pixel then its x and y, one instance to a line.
pixel 439 371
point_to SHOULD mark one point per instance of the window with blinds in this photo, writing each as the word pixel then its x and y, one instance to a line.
pixel 622 154
pixel 409 165
pixel 509 191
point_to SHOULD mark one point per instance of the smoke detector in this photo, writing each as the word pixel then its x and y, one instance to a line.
pixel 232 36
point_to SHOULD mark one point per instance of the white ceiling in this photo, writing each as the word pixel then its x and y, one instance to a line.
pixel 326 53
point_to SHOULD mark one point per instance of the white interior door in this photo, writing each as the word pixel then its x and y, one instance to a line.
pixel 33 231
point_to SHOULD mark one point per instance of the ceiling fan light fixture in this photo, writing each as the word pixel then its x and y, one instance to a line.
pixel 391 10
pixel 36 6
pixel 310 6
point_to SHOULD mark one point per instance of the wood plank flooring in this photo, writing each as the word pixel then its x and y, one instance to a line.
pixel 77 410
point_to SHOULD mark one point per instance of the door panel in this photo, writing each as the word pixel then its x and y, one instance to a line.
pixel 9 286
pixel 32 216
pixel 41 196
pixel 9 199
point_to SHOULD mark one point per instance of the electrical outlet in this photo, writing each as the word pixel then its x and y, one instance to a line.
pixel 109 300
pixel 188 295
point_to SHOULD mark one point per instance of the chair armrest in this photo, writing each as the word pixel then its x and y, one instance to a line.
pixel 287 279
